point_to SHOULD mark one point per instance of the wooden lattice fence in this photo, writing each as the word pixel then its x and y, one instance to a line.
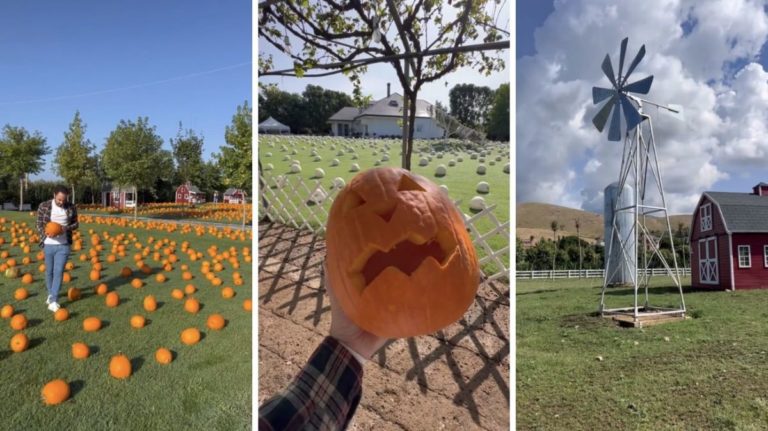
pixel 293 201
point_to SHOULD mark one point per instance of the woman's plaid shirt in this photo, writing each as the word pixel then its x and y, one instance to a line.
pixel 44 217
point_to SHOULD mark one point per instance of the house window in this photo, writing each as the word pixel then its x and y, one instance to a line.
pixel 745 257
pixel 419 127
pixel 765 256
pixel 706 217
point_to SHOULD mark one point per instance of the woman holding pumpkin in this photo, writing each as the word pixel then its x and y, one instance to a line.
pixel 56 219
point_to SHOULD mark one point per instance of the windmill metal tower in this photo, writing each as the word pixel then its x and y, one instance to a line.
pixel 640 171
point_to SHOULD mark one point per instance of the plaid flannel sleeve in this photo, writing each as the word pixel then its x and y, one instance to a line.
pixel 41 220
pixel 74 223
pixel 324 396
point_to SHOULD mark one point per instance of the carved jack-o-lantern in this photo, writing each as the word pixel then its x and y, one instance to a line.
pixel 399 258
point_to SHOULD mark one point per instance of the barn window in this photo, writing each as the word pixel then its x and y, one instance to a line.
pixel 745 257
pixel 706 217
pixel 765 255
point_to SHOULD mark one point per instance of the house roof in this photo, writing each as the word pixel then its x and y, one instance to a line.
pixel 387 107
pixel 742 212
pixel 271 123
pixel 231 191
pixel 192 188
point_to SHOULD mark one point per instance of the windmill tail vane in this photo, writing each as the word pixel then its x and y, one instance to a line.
pixel 619 99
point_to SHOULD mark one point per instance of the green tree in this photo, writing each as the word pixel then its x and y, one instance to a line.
pixel 284 107
pixel 210 177
pixel 498 121
pixel 333 34
pixel 73 157
pixel 555 227
pixel 21 154
pixel 235 159
pixel 187 154
pixel 470 104
pixel 95 177
pixel 133 156
pixel 318 106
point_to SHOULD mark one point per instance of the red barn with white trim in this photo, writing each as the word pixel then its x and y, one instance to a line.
pixel 729 240
pixel 189 194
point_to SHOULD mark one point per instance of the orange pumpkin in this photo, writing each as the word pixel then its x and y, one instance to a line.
pixel 91 324
pixel 247 305
pixel 177 294
pixel 21 294
pixel 192 305
pixel 18 322
pixel 138 321
pixel 399 259
pixel 7 311
pixel 215 322
pixel 67 277
pixel 102 289
pixel 126 272
pixel 26 279
pixel 190 336
pixel 73 294
pixel 136 283
pixel 163 356
pixel 112 299
pixel 61 315
pixel 80 351
pixel 55 392
pixel 19 342
pixel 150 303
pixel 186 275
pixel 227 293
pixel 190 289
pixel 94 275
pixel 53 229
pixel 120 366
pixel 160 278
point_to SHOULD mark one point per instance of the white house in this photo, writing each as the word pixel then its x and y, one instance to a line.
pixel 382 118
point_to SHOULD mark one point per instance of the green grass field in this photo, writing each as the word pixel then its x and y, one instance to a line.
pixel 207 386
pixel 708 372
pixel 460 179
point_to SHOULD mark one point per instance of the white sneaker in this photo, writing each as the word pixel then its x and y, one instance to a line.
pixel 54 306
pixel 47 300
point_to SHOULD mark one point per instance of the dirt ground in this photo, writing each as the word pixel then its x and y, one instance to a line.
pixel 455 379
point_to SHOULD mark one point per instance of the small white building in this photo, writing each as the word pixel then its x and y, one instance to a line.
pixel 383 118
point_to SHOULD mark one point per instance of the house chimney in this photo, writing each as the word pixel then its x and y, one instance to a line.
pixel 387 89
pixel 761 189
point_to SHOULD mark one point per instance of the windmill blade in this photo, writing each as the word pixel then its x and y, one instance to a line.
pixel 614 133
pixel 599 94
pixel 638 57
pixel 642 86
pixel 621 57
pixel 608 70
pixel 631 114
pixel 601 117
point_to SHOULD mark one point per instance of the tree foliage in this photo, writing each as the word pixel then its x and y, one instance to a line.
pixel 305 113
pixel 74 158
pixel 133 156
pixel 21 154
pixel 187 150
pixel 499 119
pixel 470 104
pixel 235 158
pixel 332 34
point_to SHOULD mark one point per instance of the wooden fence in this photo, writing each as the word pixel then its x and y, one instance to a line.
pixel 586 273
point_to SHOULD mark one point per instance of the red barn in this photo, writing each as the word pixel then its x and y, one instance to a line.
pixel 729 240
pixel 118 197
pixel 234 196
pixel 189 194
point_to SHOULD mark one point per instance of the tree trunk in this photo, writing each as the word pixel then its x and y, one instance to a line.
pixel 411 125
pixel 244 211
pixel 21 192
pixel 73 194
pixel 135 203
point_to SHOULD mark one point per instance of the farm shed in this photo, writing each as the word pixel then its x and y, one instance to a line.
pixel 270 125
pixel 382 118
pixel 188 193
pixel 118 197
pixel 233 196
pixel 729 240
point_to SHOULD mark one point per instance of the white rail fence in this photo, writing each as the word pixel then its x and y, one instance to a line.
pixel 293 201
pixel 586 273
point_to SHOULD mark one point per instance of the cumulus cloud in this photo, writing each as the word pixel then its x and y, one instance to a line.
pixel 692 48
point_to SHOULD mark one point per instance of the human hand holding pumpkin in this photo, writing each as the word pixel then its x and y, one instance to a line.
pixel 347 332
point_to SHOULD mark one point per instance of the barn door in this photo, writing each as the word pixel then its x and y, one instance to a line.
pixel 708 261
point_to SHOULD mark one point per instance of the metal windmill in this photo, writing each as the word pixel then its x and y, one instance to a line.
pixel 631 241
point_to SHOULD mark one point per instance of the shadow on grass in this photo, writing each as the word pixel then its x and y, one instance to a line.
pixel 536 292
pixel 75 387
pixel 35 342
pixel 136 364
pixel 93 350
pixel 4 354
pixel 656 290
pixel 34 322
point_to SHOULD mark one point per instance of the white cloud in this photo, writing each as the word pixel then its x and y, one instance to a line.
pixel 724 123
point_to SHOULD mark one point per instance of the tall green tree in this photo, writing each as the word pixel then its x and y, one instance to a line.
pixel 499 119
pixel 319 104
pixel 236 160
pixel 285 107
pixel 21 154
pixel 187 154
pixel 133 156
pixel 331 34
pixel 73 157
pixel 470 104
pixel 95 177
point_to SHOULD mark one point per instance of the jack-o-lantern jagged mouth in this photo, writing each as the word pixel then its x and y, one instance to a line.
pixel 406 256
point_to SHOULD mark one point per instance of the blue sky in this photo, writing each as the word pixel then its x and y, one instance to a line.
pixel 170 61
pixel 708 56
pixel 376 79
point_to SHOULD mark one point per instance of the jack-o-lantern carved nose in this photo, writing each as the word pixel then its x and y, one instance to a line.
pixel 408 184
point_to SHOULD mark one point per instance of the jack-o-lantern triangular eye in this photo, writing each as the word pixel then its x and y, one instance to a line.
pixel 353 200
pixel 408 184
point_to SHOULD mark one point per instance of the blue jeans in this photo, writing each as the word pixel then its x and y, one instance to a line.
pixel 55 258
